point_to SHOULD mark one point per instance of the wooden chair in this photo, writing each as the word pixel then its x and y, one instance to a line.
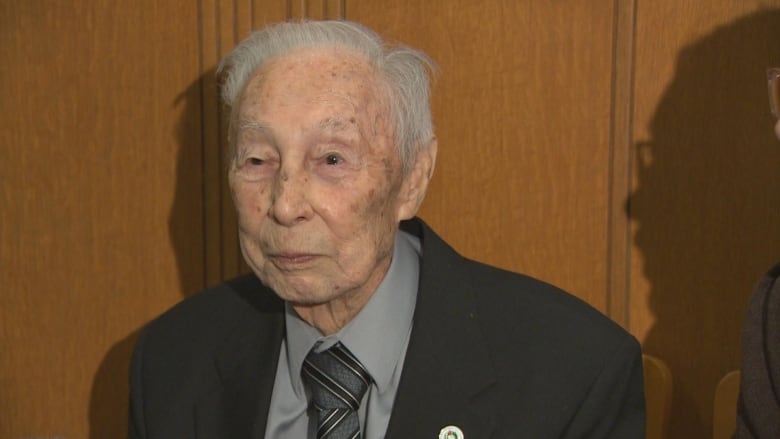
pixel 658 396
pixel 724 411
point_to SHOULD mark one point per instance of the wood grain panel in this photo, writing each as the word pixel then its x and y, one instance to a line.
pixel 523 118
pixel 704 205
pixel 97 237
pixel 316 9
pixel 269 11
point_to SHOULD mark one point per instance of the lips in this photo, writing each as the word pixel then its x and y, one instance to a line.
pixel 291 260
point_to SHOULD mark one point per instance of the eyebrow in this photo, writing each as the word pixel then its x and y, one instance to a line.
pixel 333 124
pixel 253 125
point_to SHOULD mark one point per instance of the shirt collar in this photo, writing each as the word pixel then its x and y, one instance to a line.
pixel 378 334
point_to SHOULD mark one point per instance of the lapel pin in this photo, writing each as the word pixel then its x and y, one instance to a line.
pixel 451 432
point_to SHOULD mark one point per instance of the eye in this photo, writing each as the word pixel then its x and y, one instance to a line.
pixel 254 163
pixel 333 159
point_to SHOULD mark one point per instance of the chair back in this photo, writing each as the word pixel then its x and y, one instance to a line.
pixel 724 410
pixel 658 396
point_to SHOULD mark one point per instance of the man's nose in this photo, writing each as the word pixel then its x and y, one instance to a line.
pixel 290 198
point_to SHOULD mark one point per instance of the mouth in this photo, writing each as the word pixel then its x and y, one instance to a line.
pixel 291 261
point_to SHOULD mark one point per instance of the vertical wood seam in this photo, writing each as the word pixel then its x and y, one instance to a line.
pixel 203 182
pixel 618 225
pixel 209 50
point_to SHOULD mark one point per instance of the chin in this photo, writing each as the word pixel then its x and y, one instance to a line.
pixel 299 292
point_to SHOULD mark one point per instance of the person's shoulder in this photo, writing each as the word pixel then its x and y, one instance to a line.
pixel 533 296
pixel 179 355
pixel 765 293
pixel 210 314
pixel 769 280
pixel 526 301
pixel 510 300
pixel 551 330
pixel 214 301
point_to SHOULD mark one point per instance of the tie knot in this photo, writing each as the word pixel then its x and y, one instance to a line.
pixel 335 378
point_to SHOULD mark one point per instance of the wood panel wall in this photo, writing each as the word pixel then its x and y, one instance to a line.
pixel 101 213
pixel 619 149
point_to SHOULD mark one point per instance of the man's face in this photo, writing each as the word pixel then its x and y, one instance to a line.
pixel 316 177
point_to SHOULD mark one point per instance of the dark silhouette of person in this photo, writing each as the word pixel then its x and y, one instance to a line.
pixel 706 208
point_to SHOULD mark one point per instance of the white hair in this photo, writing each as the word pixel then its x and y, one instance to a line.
pixel 406 72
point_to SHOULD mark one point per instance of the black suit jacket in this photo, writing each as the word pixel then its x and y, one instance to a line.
pixel 498 354
pixel 758 407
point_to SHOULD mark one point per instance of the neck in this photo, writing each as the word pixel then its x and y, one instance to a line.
pixel 330 317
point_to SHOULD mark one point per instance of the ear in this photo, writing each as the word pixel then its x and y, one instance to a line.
pixel 415 183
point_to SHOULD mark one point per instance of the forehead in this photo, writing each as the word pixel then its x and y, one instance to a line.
pixel 332 79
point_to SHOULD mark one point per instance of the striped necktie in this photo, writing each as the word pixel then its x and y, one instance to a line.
pixel 337 382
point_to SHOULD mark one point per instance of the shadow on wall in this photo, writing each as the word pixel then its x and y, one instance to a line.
pixel 707 208
pixel 110 389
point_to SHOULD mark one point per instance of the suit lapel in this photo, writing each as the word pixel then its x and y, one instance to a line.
pixel 447 367
pixel 244 369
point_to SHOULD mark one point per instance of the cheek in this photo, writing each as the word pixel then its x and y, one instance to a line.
pixel 250 199
pixel 260 204
pixel 375 211
pixel 365 205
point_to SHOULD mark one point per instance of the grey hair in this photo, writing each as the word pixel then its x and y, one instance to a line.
pixel 406 72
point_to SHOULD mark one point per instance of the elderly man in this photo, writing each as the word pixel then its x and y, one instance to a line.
pixel 358 320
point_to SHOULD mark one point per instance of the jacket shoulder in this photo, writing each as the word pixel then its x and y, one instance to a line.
pixel 516 304
pixel 186 354
pixel 215 310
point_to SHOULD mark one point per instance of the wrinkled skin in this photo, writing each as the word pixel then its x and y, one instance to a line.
pixel 317 182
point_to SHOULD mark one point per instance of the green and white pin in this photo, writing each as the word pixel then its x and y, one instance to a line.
pixel 451 432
